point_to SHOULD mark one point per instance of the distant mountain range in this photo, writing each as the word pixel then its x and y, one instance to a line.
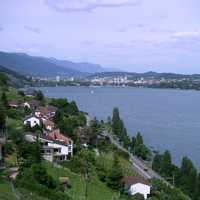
pixel 41 66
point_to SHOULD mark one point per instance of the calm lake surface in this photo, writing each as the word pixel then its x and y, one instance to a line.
pixel 167 119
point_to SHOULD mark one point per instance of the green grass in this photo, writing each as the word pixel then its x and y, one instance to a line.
pixel 107 160
pixel 5 190
pixel 96 189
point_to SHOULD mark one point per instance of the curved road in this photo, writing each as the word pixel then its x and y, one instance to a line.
pixel 140 167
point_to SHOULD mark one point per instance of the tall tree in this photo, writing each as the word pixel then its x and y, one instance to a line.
pixel 166 164
pixel 116 122
pixel 187 177
pixel 138 139
pixel 116 175
pixel 157 163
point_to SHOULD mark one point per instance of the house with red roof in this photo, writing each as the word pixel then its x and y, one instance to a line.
pixel 56 147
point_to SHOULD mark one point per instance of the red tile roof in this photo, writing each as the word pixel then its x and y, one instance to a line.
pixel 131 180
pixel 56 135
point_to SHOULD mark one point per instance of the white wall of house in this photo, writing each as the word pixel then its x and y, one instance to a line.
pixel 141 189
pixel 37 113
pixel 64 149
pixel 33 121
pixel 26 104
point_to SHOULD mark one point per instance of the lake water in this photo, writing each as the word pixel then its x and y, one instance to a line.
pixel 167 119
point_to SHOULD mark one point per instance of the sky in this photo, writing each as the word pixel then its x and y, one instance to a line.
pixel 131 35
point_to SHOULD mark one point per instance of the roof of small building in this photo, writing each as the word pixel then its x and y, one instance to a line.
pixel 31 116
pixel 132 180
pixel 46 110
pixel 15 102
pixel 56 136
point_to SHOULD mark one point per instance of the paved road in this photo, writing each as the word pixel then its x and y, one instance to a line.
pixel 139 166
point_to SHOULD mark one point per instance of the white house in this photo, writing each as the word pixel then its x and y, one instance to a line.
pixel 55 146
pixel 136 185
pixel 32 121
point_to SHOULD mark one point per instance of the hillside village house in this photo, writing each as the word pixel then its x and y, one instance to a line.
pixel 32 121
pixel 55 146
pixel 47 112
pixel 136 185
pixel 33 104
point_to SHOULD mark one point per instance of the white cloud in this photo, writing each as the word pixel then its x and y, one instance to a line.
pixel 186 34
pixel 88 5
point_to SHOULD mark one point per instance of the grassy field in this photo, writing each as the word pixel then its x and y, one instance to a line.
pixel 107 160
pixel 96 189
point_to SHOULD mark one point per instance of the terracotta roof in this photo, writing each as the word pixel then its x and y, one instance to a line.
pixel 55 135
pixel 46 110
pixel 131 180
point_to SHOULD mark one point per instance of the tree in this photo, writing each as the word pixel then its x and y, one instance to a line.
pixel 72 108
pixel 187 176
pixel 197 189
pixel 139 149
pixel 4 81
pixel 39 96
pixel 3 116
pixel 115 175
pixel 59 116
pixel 166 167
pixel 157 163
pixel 138 139
pixel 116 121
pixel 4 99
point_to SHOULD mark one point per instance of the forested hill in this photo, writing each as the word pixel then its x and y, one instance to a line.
pixel 14 79
pixel 46 67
